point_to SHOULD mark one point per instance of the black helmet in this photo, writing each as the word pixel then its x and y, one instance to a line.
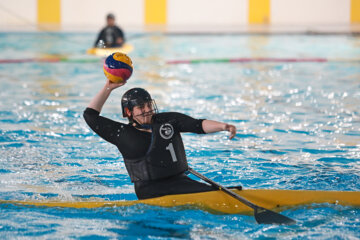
pixel 110 16
pixel 135 97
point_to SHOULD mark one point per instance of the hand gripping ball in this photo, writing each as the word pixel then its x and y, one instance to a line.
pixel 118 67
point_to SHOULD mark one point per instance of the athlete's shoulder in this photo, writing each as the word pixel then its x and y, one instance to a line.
pixel 169 116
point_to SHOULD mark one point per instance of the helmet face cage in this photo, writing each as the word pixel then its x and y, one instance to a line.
pixel 137 97
pixel 152 105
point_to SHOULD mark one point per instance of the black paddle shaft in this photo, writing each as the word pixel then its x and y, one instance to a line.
pixel 262 215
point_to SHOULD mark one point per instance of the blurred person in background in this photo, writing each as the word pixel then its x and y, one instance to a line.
pixel 111 35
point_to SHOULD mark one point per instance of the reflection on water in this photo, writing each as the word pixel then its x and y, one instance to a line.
pixel 299 128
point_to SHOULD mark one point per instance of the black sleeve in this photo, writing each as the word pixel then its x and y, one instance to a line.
pixel 182 122
pixel 120 33
pixel 100 36
pixel 104 127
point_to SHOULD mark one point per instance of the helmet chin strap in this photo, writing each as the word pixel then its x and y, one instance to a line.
pixel 142 126
pixel 138 125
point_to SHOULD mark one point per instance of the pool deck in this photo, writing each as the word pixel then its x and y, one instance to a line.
pixel 261 29
pixel 228 29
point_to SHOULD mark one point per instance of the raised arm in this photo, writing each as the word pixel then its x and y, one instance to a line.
pixel 99 100
pixel 104 127
pixel 210 126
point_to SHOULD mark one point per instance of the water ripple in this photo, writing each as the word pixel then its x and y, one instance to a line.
pixel 298 128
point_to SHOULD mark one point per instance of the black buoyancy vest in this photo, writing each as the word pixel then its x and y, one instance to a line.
pixel 165 157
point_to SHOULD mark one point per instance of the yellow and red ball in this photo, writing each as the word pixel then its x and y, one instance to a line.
pixel 118 67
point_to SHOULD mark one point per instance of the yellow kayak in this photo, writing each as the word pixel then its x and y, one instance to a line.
pixel 220 202
pixel 104 52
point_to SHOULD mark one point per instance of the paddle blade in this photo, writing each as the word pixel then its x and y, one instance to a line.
pixel 265 216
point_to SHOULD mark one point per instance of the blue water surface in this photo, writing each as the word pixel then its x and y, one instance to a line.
pixel 298 128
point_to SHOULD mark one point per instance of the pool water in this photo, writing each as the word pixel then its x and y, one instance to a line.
pixel 298 128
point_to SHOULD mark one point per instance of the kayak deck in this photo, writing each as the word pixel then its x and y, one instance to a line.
pixel 103 52
pixel 220 202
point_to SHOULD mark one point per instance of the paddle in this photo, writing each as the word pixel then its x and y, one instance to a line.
pixel 262 215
